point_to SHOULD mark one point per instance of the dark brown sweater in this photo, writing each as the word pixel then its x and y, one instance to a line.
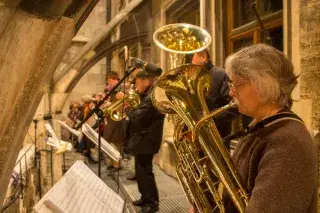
pixel 278 167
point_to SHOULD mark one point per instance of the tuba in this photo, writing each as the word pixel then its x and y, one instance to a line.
pixel 115 110
pixel 205 169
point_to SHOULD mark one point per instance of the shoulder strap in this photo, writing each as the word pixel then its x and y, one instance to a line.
pixel 276 119
pixel 265 123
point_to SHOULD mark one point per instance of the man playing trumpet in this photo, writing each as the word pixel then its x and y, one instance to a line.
pixel 144 141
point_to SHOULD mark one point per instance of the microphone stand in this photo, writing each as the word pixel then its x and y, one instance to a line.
pixel 96 110
pixel 266 35
pixel 36 155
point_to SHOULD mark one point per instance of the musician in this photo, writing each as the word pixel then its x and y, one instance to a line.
pixel 145 127
pixel 219 93
pixel 113 130
pixel 277 160
pixel 85 145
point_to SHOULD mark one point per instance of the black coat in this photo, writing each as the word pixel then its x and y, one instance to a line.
pixel 219 96
pixel 114 131
pixel 145 127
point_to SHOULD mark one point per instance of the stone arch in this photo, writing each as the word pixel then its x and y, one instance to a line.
pixel 102 52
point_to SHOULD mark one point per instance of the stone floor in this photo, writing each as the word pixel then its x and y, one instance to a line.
pixel 172 198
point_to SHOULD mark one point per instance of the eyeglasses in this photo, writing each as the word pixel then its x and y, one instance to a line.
pixel 235 86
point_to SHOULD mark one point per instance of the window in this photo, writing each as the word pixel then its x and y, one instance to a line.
pixel 134 50
pixel 122 62
pixel 243 28
pixel 182 11
pixel 186 11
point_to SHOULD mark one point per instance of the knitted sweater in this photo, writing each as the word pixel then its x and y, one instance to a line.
pixel 278 167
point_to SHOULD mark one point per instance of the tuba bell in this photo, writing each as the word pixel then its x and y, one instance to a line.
pixel 205 168
pixel 115 110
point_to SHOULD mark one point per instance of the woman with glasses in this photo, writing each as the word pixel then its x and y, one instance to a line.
pixel 277 159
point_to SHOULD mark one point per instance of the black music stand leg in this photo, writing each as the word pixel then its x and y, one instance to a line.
pixel 35 121
pixel 64 163
pixel 99 114
pixel 39 173
pixel 36 156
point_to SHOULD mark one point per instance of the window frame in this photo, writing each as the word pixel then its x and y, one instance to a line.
pixel 251 29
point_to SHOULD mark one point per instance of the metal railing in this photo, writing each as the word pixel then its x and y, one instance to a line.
pixel 19 180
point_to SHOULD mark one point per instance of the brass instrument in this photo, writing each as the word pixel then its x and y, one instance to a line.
pixel 205 166
pixel 115 110
pixel 181 39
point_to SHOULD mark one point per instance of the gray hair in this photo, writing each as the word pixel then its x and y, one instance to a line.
pixel 268 69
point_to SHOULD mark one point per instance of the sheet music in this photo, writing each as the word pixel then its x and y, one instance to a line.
pixel 80 190
pixel 105 146
pixel 56 141
pixel 51 141
pixel 73 131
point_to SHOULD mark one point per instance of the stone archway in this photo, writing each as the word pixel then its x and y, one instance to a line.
pixel 61 94
pixel 33 39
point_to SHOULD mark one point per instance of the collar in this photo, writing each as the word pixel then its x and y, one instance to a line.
pixel 208 65
pixel 283 114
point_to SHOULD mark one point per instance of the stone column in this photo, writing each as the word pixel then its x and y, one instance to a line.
pixel 30 50
pixel 309 44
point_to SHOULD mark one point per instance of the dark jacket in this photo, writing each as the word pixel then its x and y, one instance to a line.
pixel 278 168
pixel 114 131
pixel 219 96
pixel 145 127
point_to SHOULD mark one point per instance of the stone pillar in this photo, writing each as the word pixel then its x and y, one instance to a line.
pixel 309 44
pixel 203 12
pixel 30 50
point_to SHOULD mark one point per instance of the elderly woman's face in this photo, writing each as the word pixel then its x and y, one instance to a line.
pixel 245 95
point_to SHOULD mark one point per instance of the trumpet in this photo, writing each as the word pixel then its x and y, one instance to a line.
pixel 115 110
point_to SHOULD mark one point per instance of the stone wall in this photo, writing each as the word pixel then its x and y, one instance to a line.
pixel 310 61
pixel 310 56
pixel 94 80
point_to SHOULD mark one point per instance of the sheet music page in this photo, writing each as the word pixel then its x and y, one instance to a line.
pixel 50 141
pixel 53 134
pixel 105 146
pixel 80 190
pixel 73 131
